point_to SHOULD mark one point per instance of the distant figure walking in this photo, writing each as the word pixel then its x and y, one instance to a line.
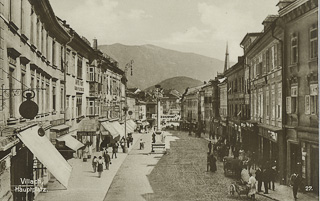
pixel 208 161
pixel 259 178
pixel 210 147
pixel 107 159
pixel 273 174
pixel 94 163
pixel 100 166
pixel 295 182
pixel 213 165
pixel 141 144
pixel 115 149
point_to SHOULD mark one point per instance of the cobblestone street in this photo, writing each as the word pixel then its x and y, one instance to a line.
pixel 179 175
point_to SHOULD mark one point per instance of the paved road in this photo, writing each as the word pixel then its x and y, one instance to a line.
pixel 179 175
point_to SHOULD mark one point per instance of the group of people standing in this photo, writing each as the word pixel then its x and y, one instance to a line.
pixel 267 176
pixel 99 162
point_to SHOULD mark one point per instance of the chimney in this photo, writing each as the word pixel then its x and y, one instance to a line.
pixel 95 44
pixel 268 21
pixel 284 3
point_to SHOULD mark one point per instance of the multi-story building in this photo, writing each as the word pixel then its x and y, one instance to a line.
pixel 223 108
pixel 264 58
pixel 237 110
pixel 299 20
pixel 40 53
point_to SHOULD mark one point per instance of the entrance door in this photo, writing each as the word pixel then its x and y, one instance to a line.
pixel 266 150
pixel 294 156
pixel 315 169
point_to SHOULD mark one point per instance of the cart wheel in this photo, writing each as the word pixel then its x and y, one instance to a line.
pixel 232 189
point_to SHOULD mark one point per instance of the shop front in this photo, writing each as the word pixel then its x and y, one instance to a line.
pixel 271 149
pixel 249 134
pixel 215 128
pixel 308 153
pixel 88 134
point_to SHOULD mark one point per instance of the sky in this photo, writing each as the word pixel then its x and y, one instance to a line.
pixel 199 26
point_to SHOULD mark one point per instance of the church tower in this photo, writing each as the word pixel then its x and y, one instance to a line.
pixel 226 61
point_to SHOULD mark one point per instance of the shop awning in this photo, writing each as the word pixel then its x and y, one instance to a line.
pixel 132 124
pixel 87 125
pixel 118 127
pixel 47 154
pixel 109 127
pixel 71 142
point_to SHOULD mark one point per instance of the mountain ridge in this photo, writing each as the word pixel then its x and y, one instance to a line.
pixel 153 64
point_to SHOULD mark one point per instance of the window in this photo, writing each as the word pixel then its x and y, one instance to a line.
pixel 91 73
pixel 273 109
pixel 62 62
pixel 79 67
pixel 314 99
pixel 267 103
pixel 54 98
pixel 47 97
pixel 294 99
pixel 62 100
pixel 279 99
pixel 314 41
pixel 273 56
pixel 259 65
pixel 267 61
pixel 53 52
pixel 91 108
pixel 11 87
pixel 23 82
pixel 31 26
pixel 72 107
pixel 79 105
pixel 294 48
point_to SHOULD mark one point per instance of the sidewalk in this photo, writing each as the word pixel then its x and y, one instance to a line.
pixel 84 184
pixel 282 192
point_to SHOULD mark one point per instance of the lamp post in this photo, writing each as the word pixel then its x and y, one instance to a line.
pixel 126 108
pixel 158 94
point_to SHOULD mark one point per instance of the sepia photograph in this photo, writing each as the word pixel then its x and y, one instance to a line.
pixel 159 100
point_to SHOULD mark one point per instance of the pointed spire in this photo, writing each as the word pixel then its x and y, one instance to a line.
pixel 226 61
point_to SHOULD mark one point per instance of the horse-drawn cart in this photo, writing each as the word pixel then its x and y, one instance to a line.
pixel 231 166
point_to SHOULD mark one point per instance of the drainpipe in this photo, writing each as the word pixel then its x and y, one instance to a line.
pixel 283 74
pixel 65 77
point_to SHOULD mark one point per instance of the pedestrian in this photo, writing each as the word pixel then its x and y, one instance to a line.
pixel 213 165
pixel 94 163
pixel 107 159
pixel 122 143
pixel 245 175
pixel 295 182
pixel 115 149
pixel 266 179
pixel 208 161
pixel 153 137
pixel 100 166
pixel 141 144
pixel 273 174
pixel 259 178
pixel 252 187
pixel 210 146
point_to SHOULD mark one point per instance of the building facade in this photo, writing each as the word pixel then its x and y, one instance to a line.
pixel 300 22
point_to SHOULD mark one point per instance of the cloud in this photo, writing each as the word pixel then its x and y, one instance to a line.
pixel 102 19
pixel 137 15
pixel 191 35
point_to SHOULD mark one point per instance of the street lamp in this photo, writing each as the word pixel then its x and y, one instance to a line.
pixel 158 94
pixel 126 108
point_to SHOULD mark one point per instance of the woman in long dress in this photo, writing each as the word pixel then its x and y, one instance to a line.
pixel 252 186
pixel 100 166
